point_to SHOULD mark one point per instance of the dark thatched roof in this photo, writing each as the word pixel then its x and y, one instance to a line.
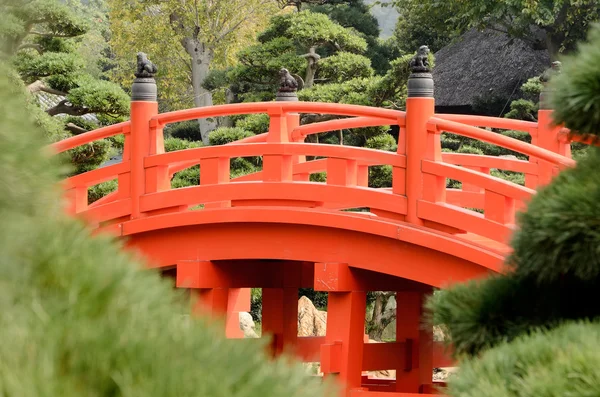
pixel 484 65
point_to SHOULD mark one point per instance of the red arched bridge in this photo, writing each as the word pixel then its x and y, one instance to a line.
pixel 277 230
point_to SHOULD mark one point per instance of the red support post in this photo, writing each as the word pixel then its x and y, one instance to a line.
pixel 548 138
pixel 276 167
pixel 342 354
pixel 417 374
pixel 144 107
pixel 280 318
pixel 420 107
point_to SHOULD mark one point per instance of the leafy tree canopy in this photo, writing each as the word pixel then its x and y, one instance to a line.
pixel 556 24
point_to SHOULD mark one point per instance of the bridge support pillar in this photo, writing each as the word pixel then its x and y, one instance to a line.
pixel 212 296
pixel 223 303
pixel 280 318
pixel 417 374
pixel 342 353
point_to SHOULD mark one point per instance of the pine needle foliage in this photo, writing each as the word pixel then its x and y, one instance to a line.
pixel 560 362
pixel 576 90
pixel 559 235
pixel 78 316
pixel 482 314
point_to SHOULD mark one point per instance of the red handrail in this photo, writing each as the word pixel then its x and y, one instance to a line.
pixel 277 108
pixel 91 136
pixel 500 140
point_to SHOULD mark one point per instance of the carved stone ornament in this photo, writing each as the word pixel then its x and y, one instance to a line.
pixel 548 73
pixel 287 82
pixel 546 92
pixel 144 85
pixel 145 68
pixel 420 62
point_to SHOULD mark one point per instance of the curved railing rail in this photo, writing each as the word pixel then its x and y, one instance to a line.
pixel 284 179
pixel 498 198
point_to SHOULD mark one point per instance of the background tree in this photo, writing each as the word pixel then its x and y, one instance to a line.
pixel 425 23
pixel 43 44
pixel 297 41
pixel 357 15
pixel 535 330
pixel 555 25
pixel 187 39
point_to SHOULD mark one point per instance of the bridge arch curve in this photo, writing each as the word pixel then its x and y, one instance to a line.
pixel 301 234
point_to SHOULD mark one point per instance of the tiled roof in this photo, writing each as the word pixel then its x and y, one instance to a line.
pixel 47 101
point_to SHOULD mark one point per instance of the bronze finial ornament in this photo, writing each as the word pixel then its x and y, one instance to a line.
pixel 144 85
pixel 420 81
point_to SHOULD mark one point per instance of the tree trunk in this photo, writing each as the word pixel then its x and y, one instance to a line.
pixel 553 44
pixel 229 98
pixel 64 108
pixel 380 318
pixel 39 85
pixel 312 59
pixel 201 56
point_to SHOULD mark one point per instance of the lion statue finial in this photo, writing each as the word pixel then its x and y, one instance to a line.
pixel 145 68
pixel 420 62
pixel 287 82
pixel 555 68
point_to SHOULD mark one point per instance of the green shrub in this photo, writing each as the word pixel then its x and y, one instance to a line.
pixel 224 135
pixel 255 123
pixel 380 176
pixel 173 144
pixel 96 192
pixel 382 142
pixel 344 66
pixel 83 318
pixel 561 362
pixel 188 130
pixel 467 149
pixel 558 235
pixel 318 177
pixel 575 94
pixel 188 177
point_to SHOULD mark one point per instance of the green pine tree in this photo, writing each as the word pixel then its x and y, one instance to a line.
pixel 79 317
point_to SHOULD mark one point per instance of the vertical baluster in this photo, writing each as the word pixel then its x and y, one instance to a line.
pixel 277 167
pixel 499 208
pixel 214 171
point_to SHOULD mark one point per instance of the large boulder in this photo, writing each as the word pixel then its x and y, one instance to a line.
pixel 311 321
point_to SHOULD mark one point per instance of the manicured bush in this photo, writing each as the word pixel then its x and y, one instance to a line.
pixel 188 130
pixel 561 362
pixel 224 135
pixel 254 123
pixel 558 235
pixel 575 95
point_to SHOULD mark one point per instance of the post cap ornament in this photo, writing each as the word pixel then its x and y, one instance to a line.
pixel 555 68
pixel 288 86
pixel 420 81
pixel 144 85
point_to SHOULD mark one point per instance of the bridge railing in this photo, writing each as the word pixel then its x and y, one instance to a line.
pixel 498 198
pixel 419 168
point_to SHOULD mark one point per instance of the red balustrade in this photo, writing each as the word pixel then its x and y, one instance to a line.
pixel 276 230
